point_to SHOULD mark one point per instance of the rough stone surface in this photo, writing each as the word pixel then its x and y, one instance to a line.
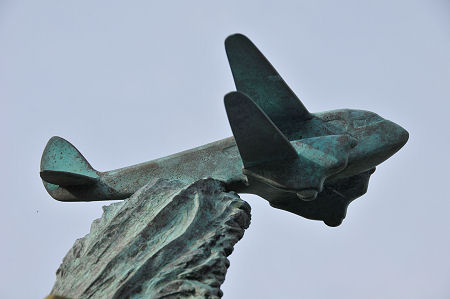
pixel 168 240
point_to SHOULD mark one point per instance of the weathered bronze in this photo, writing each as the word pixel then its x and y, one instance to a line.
pixel 167 240
pixel 310 164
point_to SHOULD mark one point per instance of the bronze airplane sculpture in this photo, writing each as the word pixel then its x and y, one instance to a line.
pixel 310 164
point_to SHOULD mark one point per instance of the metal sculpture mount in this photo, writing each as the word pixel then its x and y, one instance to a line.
pixel 168 240
pixel 310 164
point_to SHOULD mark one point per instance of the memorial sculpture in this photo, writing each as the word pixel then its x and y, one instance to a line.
pixel 310 164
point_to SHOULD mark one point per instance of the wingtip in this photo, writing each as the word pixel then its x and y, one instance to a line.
pixel 231 96
pixel 238 100
pixel 234 38
pixel 236 35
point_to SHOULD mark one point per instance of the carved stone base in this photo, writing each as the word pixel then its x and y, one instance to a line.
pixel 167 241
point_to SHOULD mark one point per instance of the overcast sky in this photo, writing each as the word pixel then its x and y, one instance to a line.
pixel 131 81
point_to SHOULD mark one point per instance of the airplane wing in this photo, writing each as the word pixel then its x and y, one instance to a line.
pixel 256 77
pixel 257 137
pixel 268 156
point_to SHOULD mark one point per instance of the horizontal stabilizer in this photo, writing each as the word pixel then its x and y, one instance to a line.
pixel 256 77
pixel 66 179
pixel 257 137
pixel 62 164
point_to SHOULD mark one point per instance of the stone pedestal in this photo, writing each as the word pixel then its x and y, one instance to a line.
pixel 168 240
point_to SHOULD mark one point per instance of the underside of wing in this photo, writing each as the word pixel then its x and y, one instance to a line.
pixel 331 204
pixel 257 137
pixel 256 77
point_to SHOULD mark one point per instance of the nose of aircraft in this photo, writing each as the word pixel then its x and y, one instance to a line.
pixel 384 140
pixel 376 143
pixel 397 135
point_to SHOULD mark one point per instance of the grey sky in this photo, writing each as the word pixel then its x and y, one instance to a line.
pixel 130 81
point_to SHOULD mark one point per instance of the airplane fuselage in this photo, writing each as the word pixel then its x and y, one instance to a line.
pixel 310 164
pixel 376 139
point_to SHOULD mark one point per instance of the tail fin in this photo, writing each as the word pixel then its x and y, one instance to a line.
pixel 62 164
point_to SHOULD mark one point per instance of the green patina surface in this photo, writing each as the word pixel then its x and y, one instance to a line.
pixel 168 240
pixel 310 164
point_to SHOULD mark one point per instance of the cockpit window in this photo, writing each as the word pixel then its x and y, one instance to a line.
pixel 367 119
pixel 359 123
pixel 337 123
pixel 341 121
pixel 337 126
